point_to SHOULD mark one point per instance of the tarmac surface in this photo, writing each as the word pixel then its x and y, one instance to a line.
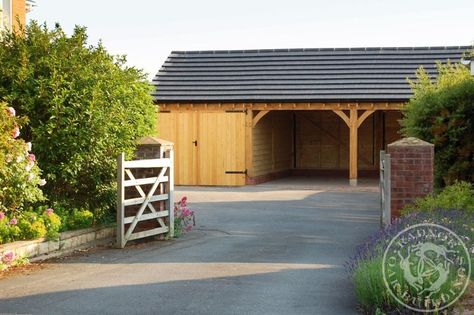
pixel 275 248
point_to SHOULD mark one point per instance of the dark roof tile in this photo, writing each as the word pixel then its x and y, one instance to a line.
pixel 308 74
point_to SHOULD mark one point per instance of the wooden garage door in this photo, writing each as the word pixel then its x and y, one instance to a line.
pixel 181 128
pixel 209 146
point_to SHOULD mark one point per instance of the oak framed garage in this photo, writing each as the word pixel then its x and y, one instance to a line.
pixel 244 117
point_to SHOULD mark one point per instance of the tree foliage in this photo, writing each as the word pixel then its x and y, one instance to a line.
pixel 442 112
pixel 84 105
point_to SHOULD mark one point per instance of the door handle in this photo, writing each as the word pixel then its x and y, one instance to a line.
pixel 195 143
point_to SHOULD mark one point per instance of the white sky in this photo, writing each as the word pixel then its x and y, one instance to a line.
pixel 147 30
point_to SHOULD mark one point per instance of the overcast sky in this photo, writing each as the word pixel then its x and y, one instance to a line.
pixel 147 30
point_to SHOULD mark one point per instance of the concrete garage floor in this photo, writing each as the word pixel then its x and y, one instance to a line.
pixel 275 248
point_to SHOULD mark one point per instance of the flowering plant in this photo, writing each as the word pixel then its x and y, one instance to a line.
pixel 365 266
pixel 29 225
pixel 9 259
pixel 19 174
pixel 184 218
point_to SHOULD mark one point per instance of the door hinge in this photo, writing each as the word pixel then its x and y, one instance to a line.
pixel 236 172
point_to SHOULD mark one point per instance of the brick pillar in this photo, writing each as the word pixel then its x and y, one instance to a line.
pixel 412 162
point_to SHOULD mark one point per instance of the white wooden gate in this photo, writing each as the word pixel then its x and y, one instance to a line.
pixel 385 197
pixel 161 188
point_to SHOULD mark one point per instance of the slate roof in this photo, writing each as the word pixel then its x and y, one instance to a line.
pixel 291 75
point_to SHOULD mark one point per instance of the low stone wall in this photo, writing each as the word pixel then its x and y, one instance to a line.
pixel 67 241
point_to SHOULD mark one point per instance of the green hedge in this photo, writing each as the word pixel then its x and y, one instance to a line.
pixel 84 106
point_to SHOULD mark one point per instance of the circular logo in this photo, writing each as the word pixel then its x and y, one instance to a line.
pixel 426 267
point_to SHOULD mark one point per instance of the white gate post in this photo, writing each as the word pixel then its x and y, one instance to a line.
pixel 170 201
pixel 385 188
pixel 388 190
pixel 120 200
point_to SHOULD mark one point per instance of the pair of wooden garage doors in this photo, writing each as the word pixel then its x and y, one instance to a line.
pixel 209 146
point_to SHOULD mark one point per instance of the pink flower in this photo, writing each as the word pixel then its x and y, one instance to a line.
pixel 29 166
pixel 183 201
pixel 15 132
pixel 31 157
pixel 2 215
pixel 189 227
pixel 49 211
pixel 8 257
pixel 186 212
pixel 11 111
pixel 13 221
pixel 42 182
pixel 31 176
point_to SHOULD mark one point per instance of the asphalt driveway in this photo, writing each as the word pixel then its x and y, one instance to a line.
pixel 277 248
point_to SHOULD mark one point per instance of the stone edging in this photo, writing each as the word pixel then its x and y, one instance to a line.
pixel 67 241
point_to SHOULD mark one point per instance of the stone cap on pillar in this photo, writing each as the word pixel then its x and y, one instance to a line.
pixel 410 141
pixel 154 141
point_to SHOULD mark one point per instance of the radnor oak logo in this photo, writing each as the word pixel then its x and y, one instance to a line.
pixel 426 267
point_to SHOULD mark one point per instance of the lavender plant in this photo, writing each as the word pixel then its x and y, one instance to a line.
pixel 365 265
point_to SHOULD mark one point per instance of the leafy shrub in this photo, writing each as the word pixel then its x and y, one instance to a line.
pixel 71 219
pixel 52 223
pixel 365 266
pixel 19 173
pixel 184 219
pixel 8 229
pixel 457 196
pixel 31 226
pixel 85 107
pixel 80 219
pixel 442 113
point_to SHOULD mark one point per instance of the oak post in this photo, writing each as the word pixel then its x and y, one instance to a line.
pixel 249 142
pixel 353 128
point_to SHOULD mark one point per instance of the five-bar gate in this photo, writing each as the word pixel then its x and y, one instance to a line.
pixel 136 205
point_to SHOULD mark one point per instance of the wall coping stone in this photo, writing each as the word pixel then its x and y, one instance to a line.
pixel 154 141
pixel 410 141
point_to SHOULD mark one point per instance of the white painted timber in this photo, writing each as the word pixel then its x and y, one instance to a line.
pixel 151 163
pixel 144 181
pixel 148 216
pixel 139 200
pixel 164 181
pixel 147 233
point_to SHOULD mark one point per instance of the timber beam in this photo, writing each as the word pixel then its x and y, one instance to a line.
pixel 280 106
pixel 259 116
pixel 353 121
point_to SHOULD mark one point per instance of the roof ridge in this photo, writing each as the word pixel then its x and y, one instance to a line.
pixel 381 48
